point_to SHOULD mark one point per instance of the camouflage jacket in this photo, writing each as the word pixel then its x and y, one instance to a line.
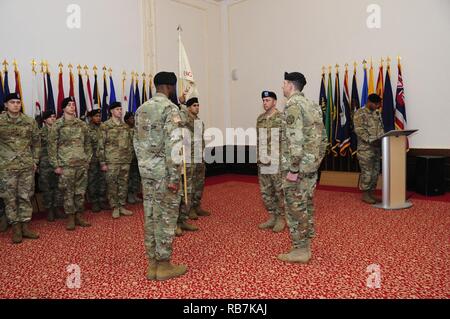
pixel 304 143
pixel 155 138
pixel 44 159
pixel 69 144
pixel 94 138
pixel 190 121
pixel 368 128
pixel 264 148
pixel 19 142
pixel 116 143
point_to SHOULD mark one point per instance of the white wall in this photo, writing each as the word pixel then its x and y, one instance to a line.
pixel 110 35
pixel 269 37
pixel 202 38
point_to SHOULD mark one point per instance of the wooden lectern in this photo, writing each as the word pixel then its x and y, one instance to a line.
pixel 393 146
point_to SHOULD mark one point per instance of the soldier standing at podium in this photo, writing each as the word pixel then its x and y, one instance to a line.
pixel 369 129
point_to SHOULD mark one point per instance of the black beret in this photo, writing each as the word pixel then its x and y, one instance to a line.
pixel 66 101
pixel 265 94
pixel 128 115
pixel 191 101
pixel 295 77
pixel 115 105
pixel 94 113
pixel 12 96
pixel 165 78
pixel 374 98
pixel 47 114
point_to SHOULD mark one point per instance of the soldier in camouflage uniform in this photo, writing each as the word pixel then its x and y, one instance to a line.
pixel 303 147
pixel 369 129
pixel 96 178
pixel 269 173
pixel 115 152
pixel 48 180
pixel 3 219
pixel 19 159
pixel 197 128
pixel 70 153
pixel 134 180
pixel 157 134
pixel 182 224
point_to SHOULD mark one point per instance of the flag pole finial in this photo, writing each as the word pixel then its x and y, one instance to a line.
pixel 86 69
pixel 124 74
pixel 330 68
pixel 364 62
pixel 33 66
pixel 95 69
pixel 79 69
pixel 42 64
pixel 323 70
pixel 337 68
pixel 46 65
pixel 60 66
pixel 5 65
pixel 346 66
pixel 179 28
pixel 70 66
pixel 15 63
pixel 110 71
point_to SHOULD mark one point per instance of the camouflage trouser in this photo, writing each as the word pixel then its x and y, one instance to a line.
pixel 299 207
pixel 271 186
pixel 16 189
pixel 134 182
pixel 117 184
pixel 198 183
pixel 161 209
pixel 369 161
pixel 73 184
pixel 184 209
pixel 96 184
pixel 48 185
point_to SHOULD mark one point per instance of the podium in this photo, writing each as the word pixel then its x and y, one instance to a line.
pixel 393 145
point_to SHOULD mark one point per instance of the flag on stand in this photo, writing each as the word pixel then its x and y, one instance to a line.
pixel 87 88
pixel 5 79
pixel 18 84
pixel 144 89
pixel 380 83
pixel 112 97
pixel 105 106
pixel 150 93
pixel 137 96
pixel 60 92
pixel 81 95
pixel 323 97
pixel 50 97
pixel 186 77
pixel 336 114
pixel 400 107
pixel 131 100
pixel 72 87
pixel 96 92
pixel 365 89
pixel 354 107
pixel 388 103
pixel 344 119
pixel 2 93
pixel 329 113
pixel 371 89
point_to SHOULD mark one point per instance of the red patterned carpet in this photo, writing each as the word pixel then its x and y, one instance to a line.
pixel 231 258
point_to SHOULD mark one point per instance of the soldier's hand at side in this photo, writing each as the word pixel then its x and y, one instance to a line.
pixel 104 168
pixel 59 171
pixel 173 187
pixel 292 177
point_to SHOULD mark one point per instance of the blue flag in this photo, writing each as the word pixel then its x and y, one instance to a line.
pixel 112 96
pixel 105 106
pixel 131 99
pixel 5 84
pixel 2 94
pixel 388 112
pixel 323 98
pixel 354 106
pixel 50 98
pixel 365 90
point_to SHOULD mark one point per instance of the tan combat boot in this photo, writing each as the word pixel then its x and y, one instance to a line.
pixel 80 221
pixel 3 223
pixel 269 224
pixel 116 213
pixel 151 270
pixel 296 256
pixel 372 195
pixel 165 270
pixel 70 222
pixel 188 227
pixel 125 212
pixel 17 233
pixel 367 199
pixel 279 225
pixel 178 231
pixel 193 214
pixel 201 212
pixel 27 233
